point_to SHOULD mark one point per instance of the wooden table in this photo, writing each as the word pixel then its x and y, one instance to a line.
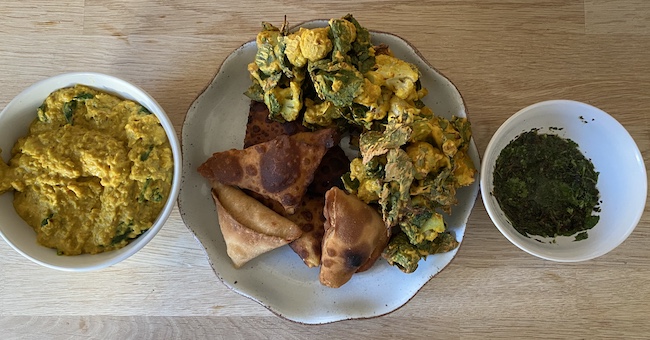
pixel 502 55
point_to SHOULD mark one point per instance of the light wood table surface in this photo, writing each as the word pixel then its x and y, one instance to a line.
pixel 502 55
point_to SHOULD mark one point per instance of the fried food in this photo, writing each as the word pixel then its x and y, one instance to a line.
pixel 412 170
pixel 280 169
pixel 410 162
pixel 309 217
pixel 355 236
pixel 260 128
pixel 326 65
pixel 334 164
pixel 248 227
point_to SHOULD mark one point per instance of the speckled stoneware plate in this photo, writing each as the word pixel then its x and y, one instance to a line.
pixel 279 280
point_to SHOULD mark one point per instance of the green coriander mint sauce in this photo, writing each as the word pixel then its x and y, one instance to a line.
pixel 546 186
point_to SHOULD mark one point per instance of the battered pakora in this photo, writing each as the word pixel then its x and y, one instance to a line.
pixel 410 163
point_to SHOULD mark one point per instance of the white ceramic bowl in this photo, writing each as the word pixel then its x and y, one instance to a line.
pixel 14 123
pixel 622 181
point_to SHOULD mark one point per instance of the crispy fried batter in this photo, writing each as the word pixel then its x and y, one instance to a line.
pixel 280 169
pixel 309 217
pixel 334 164
pixel 260 128
pixel 355 236
pixel 248 227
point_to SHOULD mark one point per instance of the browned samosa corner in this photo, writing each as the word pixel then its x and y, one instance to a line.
pixel 355 235
pixel 280 169
pixel 249 228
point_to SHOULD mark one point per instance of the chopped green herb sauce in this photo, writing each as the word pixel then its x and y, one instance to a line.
pixel 581 236
pixel 546 186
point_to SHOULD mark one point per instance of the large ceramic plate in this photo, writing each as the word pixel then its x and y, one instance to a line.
pixel 279 280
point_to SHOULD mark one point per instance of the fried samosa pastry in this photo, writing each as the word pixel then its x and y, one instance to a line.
pixel 260 128
pixel 334 164
pixel 355 235
pixel 248 227
pixel 309 217
pixel 280 169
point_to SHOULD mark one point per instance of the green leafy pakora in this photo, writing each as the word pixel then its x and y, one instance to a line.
pixel 331 59
pixel 410 163
pixel 402 253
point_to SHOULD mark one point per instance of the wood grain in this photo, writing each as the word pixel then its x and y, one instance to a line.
pixel 502 55
pixel 617 17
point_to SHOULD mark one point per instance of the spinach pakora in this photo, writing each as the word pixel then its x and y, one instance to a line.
pixel 411 162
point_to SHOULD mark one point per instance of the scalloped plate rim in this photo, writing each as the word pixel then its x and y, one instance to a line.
pixel 257 294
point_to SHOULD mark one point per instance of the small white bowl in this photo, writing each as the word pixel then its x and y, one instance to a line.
pixel 622 181
pixel 14 123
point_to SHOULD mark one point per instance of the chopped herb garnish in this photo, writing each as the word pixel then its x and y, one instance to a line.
pixel 69 107
pixel 145 155
pixel 546 186
pixel 144 190
pixel 84 96
pixel 68 110
pixel 156 196
pixel 121 237
pixel 40 112
pixel 46 220
pixel 122 232
pixel 144 111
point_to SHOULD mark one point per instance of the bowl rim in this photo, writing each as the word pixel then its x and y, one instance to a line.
pixel 126 90
pixel 491 209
